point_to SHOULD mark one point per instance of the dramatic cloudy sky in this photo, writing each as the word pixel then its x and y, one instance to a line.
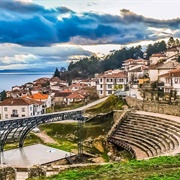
pixel 52 33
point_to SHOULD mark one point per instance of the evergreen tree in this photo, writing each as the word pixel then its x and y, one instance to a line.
pixel 177 42
pixel 171 42
pixel 157 47
pixel 3 95
pixel 56 73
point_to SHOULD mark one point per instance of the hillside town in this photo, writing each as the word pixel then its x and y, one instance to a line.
pixel 160 75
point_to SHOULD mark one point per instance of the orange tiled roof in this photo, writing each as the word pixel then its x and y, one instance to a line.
pixel 39 96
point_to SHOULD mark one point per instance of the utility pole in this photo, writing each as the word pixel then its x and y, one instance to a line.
pixel 80 142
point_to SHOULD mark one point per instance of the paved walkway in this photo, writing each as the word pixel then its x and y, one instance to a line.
pixel 46 139
pixel 170 117
pixel 91 104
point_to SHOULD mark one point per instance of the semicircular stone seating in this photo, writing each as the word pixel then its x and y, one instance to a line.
pixel 147 136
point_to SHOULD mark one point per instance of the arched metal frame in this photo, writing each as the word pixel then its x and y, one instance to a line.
pixel 17 129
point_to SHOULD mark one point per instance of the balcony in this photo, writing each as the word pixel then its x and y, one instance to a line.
pixel 14 115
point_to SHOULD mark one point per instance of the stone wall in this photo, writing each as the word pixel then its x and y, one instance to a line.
pixel 7 173
pixel 117 115
pixel 153 107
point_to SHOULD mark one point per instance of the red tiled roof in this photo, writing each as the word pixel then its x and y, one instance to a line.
pixel 141 60
pixel 56 79
pixel 62 94
pixel 129 60
pixel 19 102
pixel 172 73
pixel 158 55
pixel 77 85
pixel 114 75
pixel 75 96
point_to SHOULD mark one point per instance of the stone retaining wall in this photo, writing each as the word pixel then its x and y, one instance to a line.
pixel 7 173
pixel 153 107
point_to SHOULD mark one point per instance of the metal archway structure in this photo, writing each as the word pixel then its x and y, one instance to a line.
pixel 17 129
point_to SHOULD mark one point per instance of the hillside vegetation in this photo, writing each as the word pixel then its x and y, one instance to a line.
pixel 161 168
pixel 111 103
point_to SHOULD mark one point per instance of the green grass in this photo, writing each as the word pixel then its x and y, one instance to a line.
pixel 161 168
pixel 61 133
pixel 111 103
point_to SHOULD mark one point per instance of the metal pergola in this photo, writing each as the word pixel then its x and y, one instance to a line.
pixel 17 129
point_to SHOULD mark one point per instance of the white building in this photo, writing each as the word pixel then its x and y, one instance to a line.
pixel 155 58
pixel 172 52
pixel 44 98
pixel 111 81
pixel 172 81
pixel 19 107
pixel 55 80
pixel 130 63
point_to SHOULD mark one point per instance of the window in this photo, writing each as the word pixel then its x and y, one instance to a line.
pixel 100 86
pixel 109 86
pixel 100 80
pixel 23 115
pixel 111 80
pixel 176 80
pixel 100 92
pixel 23 109
pixel 109 92
pixel 107 80
pixel 5 108
pixel 6 116
pixel 14 112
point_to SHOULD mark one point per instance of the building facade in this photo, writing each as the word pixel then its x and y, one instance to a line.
pixel 110 81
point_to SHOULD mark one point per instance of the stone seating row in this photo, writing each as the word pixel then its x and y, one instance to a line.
pixel 153 135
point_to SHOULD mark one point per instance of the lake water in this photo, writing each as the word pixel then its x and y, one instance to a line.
pixel 7 80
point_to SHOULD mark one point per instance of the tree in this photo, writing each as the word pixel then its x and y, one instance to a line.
pixel 171 42
pixel 177 42
pixel 56 73
pixel 3 95
pixel 157 47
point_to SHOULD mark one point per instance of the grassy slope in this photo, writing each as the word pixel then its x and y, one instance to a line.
pixel 110 104
pixel 91 129
pixel 60 132
pixel 161 168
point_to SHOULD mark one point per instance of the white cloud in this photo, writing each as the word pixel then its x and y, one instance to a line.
pixel 25 1
pixel 18 58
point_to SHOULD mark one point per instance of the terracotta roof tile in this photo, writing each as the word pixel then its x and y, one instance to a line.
pixel 75 96
pixel 158 55
pixel 39 96
pixel 129 60
pixel 19 102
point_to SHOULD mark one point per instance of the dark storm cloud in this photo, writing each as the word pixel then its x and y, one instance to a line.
pixel 34 25
pixel 26 8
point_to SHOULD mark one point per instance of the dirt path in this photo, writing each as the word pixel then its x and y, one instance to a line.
pixel 46 139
